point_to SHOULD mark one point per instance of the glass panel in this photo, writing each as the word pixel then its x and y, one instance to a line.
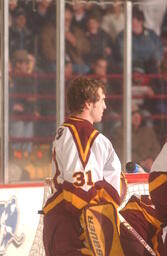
pixel 32 88
pixel 149 104
pixel 94 36
pixel 93 28
pixel 149 87
pixel 112 23
pixel 91 33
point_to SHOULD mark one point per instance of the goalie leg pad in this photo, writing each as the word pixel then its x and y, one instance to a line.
pixel 102 230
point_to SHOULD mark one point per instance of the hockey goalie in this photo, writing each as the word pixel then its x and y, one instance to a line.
pixel 82 216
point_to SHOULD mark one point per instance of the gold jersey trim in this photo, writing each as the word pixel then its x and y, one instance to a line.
pixel 157 182
pixel 83 153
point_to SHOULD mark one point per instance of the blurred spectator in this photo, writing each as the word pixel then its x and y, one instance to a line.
pixel 12 9
pixel 154 12
pixel 47 44
pixel 164 22
pixel 77 45
pixel 161 102
pixel 46 125
pixel 33 75
pixel 31 63
pixel 20 37
pixel 100 41
pixel 47 84
pixel 47 106
pixel 22 104
pixel 96 8
pixel 38 14
pixel 99 69
pixel 164 41
pixel 147 50
pixel 145 145
pixel 113 20
pixel 162 105
pixel 80 15
pixel 141 89
pixel 68 72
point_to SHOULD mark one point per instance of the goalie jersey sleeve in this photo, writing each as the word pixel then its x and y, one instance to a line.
pixel 86 167
pixel 158 191
pixel 158 184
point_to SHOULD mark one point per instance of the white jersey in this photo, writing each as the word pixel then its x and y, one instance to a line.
pixel 160 163
pixel 83 156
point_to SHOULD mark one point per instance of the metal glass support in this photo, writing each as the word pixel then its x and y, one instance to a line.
pixel 60 49
pixel 4 90
pixel 1 100
pixel 127 85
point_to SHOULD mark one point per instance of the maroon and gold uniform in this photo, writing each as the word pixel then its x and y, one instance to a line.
pixel 140 213
pixel 87 171
pixel 158 191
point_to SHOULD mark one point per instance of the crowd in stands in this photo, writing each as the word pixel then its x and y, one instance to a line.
pixel 94 44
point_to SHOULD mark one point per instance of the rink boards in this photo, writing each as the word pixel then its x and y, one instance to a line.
pixel 19 205
pixel 20 223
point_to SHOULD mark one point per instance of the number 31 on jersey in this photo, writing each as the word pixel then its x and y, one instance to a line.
pixel 82 178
